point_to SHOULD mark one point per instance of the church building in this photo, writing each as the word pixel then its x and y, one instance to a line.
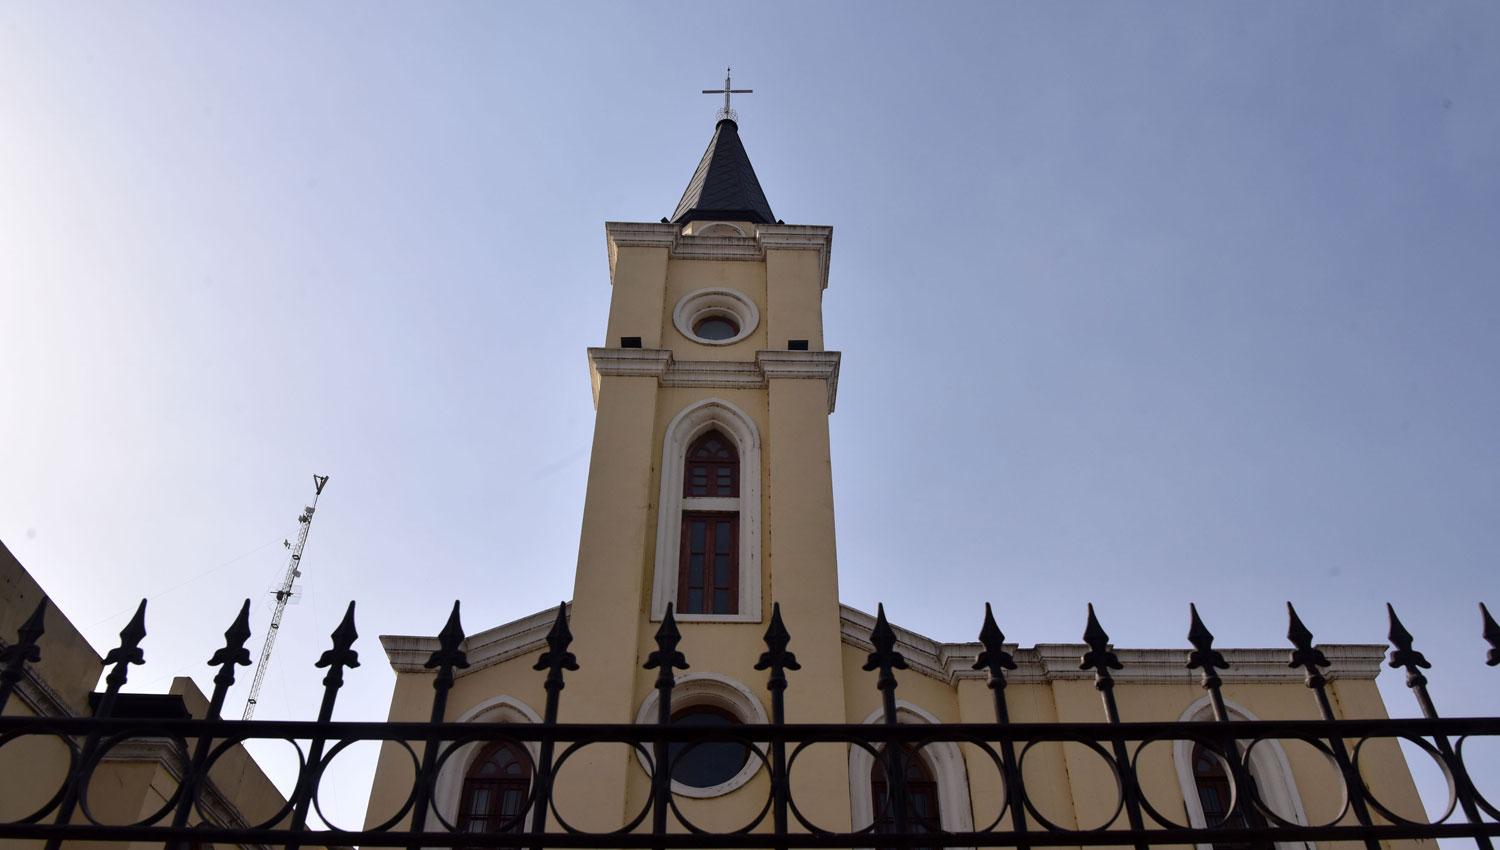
pixel 710 496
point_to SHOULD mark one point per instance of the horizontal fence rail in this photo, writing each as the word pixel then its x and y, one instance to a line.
pixel 1006 811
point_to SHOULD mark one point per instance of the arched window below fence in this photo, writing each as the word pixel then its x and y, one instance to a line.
pixel 1216 794
pixel 922 812
pixel 494 795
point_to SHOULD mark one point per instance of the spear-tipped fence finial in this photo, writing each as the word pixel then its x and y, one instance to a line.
pixel 557 658
pixel 1403 656
pixel 1203 657
pixel 993 658
pixel 1099 657
pixel 1304 654
pixel 14 658
pixel 233 653
pixel 129 651
pixel 1207 659
pixel 341 654
pixel 1492 635
pixel 449 655
pixel 666 658
pixel 777 658
pixel 886 658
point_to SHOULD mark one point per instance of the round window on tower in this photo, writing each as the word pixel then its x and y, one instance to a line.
pixel 716 328
pixel 715 316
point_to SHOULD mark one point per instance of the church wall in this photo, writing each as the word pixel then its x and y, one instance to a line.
pixel 635 309
pixel 804 578
pixel 794 298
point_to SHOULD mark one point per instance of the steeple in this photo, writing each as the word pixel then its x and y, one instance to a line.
pixel 724 187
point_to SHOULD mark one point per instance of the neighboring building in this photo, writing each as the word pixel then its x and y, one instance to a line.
pixel 135 778
pixel 710 489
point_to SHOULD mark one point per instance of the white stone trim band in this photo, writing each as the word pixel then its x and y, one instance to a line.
pixel 681 246
pixel 728 374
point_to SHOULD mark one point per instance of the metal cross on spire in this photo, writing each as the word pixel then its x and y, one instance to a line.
pixel 729 89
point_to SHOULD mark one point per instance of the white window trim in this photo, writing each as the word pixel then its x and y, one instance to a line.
pixel 944 760
pixel 704 303
pixel 721 692
pixel 447 792
pixel 686 427
pixel 1268 764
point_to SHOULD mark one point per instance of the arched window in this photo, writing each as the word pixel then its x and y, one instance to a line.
pixel 1215 794
pixel 708 569
pixel 921 795
pixel 494 797
pixel 709 505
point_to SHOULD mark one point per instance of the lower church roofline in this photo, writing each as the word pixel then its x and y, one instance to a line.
pixel 945 662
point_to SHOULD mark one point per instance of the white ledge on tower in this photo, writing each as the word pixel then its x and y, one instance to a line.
pixel 731 374
pixel 681 246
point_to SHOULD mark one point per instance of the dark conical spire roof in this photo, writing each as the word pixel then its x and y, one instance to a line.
pixel 724 187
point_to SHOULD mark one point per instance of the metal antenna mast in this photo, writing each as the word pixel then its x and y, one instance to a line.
pixel 284 593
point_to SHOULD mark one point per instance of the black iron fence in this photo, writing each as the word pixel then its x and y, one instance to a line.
pixel 1134 818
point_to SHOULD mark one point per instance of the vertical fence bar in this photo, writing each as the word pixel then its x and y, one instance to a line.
pixel 1403 656
pixel 664 660
pixel 1209 661
pixel 1311 659
pixel 1101 659
pixel 887 659
pixel 555 660
pixel 232 653
pixel 24 651
pixel 127 653
pixel 995 660
pixel 1491 633
pixel 448 657
pixel 778 660
pixel 340 656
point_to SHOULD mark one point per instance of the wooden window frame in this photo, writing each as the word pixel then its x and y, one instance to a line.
pixel 713 466
pixel 925 786
pixel 1216 777
pixel 711 519
pixel 508 823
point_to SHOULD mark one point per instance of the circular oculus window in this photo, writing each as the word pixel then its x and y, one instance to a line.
pixel 708 768
pixel 715 316
pixel 706 764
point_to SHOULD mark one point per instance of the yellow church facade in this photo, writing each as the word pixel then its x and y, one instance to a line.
pixel 710 497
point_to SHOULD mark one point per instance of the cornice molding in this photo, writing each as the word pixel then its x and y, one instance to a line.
pixel 39 695
pixel 629 362
pixel 945 662
pixel 768 237
pixel 731 374
pixel 1052 662
pixel 162 752
pixel 409 653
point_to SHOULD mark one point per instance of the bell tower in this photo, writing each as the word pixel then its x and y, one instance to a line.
pixel 709 486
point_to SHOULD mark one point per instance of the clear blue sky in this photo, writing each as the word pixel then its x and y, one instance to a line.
pixel 1139 304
